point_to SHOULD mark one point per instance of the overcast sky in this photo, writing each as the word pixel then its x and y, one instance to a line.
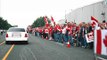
pixel 24 12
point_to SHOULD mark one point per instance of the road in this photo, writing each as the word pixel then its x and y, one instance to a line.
pixel 41 49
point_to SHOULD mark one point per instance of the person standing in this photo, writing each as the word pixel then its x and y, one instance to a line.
pixel 69 33
pixel 59 33
pixel 50 32
pixel 46 32
pixel 64 34
pixel 55 33
pixel 90 30
pixel 82 34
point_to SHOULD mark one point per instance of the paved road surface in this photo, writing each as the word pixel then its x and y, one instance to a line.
pixel 40 49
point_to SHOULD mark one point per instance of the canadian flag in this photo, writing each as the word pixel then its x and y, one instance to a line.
pixel 94 22
pixel 89 37
pixel 45 19
pixel 100 42
pixel 53 20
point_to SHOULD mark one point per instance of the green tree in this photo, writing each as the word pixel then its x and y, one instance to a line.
pixel 39 22
pixel 4 24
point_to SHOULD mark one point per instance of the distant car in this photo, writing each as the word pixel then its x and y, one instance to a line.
pixel 15 34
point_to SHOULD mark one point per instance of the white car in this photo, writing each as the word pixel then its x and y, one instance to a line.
pixel 16 34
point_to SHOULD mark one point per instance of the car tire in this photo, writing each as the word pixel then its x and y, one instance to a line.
pixel 26 42
pixel 7 42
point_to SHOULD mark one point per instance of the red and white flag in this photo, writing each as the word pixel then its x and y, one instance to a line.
pixel 94 22
pixel 89 37
pixel 45 19
pixel 53 20
pixel 100 42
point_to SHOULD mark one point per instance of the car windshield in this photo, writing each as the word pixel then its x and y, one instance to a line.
pixel 16 30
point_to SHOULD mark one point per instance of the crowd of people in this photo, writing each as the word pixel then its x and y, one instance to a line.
pixel 69 32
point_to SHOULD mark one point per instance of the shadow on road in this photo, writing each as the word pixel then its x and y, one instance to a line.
pixel 17 43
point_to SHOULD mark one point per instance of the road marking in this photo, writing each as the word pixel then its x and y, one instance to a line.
pixel 7 54
pixel 2 43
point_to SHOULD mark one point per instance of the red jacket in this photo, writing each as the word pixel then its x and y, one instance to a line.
pixel 40 30
pixel 59 29
pixel 46 30
pixel 69 29
pixel 55 28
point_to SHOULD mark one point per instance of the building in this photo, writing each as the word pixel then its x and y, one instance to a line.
pixel 98 10
pixel 62 21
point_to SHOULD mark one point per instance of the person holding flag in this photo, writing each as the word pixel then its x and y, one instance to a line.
pixel 95 26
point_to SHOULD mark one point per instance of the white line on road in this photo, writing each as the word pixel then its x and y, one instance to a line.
pixel 25 52
pixel 2 43
pixel 32 53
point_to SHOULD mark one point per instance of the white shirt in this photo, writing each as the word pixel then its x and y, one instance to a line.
pixel 64 30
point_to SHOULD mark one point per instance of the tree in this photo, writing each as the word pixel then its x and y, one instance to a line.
pixel 39 22
pixel 4 24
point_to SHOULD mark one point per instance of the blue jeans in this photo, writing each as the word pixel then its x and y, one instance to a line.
pixel 78 42
pixel 55 37
pixel 59 37
pixel 38 34
pixel 85 42
pixel 71 40
pixel 64 38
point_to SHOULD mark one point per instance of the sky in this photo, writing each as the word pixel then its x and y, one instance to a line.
pixel 24 12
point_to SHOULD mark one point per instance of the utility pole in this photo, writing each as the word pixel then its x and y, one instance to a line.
pixel 104 7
